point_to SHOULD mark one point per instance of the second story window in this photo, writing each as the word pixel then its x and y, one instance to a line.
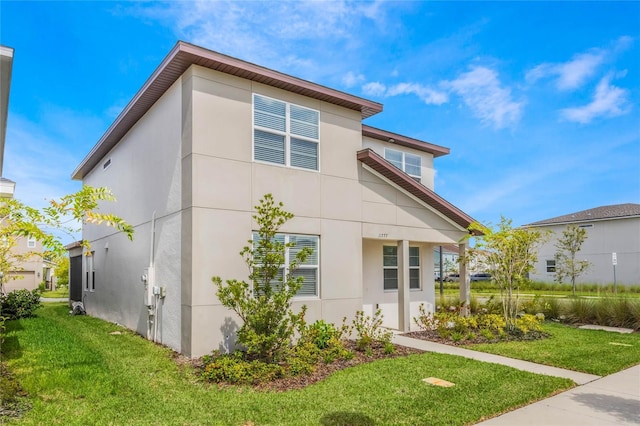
pixel 411 164
pixel 31 242
pixel 285 133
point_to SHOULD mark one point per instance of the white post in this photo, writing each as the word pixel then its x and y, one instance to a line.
pixel 404 313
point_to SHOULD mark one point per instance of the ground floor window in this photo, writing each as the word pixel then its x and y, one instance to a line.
pixel 309 270
pixel 551 265
pixel 390 267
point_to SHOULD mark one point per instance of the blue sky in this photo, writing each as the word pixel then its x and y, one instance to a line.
pixel 538 101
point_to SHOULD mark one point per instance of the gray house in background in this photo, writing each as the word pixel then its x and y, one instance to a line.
pixel 199 145
pixel 610 229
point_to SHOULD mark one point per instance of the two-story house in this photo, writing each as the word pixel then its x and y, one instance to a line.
pixel 199 145
pixel 612 245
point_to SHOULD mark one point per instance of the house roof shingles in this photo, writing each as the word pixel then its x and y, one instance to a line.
pixel 407 183
pixel 616 211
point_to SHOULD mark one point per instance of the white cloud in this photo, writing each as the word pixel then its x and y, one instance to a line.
pixel 261 32
pixel 574 73
pixel 480 89
pixel 350 79
pixel 374 88
pixel 570 75
pixel 608 101
pixel 426 94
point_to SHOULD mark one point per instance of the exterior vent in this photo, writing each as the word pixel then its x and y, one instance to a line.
pixel 106 164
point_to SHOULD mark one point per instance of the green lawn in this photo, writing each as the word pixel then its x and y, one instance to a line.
pixel 56 294
pixel 78 373
pixel 590 351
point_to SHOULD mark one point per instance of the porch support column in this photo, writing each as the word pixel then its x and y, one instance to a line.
pixel 404 314
pixel 465 285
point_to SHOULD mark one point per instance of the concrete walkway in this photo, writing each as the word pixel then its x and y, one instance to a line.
pixel 579 378
pixel 601 401
pixel 611 400
pixel 53 299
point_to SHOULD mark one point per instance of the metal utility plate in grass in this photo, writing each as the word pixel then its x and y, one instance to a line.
pixel 438 382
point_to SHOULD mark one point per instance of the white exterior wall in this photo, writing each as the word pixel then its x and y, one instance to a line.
pixel 227 183
pixel 621 236
pixel 145 176
pixel 190 159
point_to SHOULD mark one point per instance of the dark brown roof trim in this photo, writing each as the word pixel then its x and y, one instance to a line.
pixel 404 181
pixel 181 57
pixel 615 211
pixel 408 142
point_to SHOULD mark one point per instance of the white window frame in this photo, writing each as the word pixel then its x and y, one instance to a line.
pixel 90 273
pixel 31 242
pixel 404 162
pixel 309 266
pixel 415 267
pixel 287 134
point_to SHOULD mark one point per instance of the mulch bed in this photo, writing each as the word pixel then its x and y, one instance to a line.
pixel 322 370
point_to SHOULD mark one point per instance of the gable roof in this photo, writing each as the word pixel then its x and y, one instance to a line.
pixel 179 59
pixel 395 138
pixel 616 211
pixel 408 184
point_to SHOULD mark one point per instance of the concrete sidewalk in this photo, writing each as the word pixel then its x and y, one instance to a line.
pixel 601 401
pixel 611 400
pixel 579 378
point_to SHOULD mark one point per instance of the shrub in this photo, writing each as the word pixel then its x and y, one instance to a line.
pixel 233 368
pixel 369 330
pixel 320 333
pixel 19 304
pixel 265 304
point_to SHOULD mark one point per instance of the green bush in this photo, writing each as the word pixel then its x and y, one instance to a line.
pixel 233 368
pixel 369 330
pixel 320 333
pixel 19 304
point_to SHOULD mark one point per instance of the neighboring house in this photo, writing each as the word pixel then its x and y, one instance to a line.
pixel 610 229
pixel 199 145
pixel 28 273
pixel 450 256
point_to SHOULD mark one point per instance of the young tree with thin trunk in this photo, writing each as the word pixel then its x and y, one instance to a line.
pixel 568 246
pixel 264 302
pixel 509 254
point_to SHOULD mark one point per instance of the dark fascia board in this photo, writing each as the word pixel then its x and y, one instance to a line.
pixel 179 59
pixel 384 135
pixel 408 184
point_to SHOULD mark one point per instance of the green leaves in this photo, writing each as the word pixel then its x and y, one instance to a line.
pixel 264 304
pixel 64 215
pixel 567 266
pixel 509 254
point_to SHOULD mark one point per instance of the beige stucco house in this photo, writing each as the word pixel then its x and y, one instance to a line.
pixel 610 229
pixel 199 145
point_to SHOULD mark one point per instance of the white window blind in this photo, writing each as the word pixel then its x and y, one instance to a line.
pixel 411 164
pixel 308 270
pixel 285 133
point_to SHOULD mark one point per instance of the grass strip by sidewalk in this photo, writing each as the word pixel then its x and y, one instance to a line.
pixel 78 373
pixel 589 351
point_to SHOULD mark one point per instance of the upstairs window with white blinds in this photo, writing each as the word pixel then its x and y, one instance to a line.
pixel 285 133
pixel 411 164
pixel 308 270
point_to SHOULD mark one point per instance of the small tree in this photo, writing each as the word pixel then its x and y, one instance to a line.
pixel 567 247
pixel 264 303
pixel 17 220
pixel 62 271
pixel 509 254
